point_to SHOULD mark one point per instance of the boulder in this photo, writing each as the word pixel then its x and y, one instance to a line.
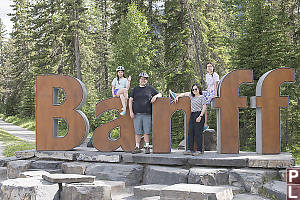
pixel 208 176
pixel 46 164
pixel 68 178
pixel 251 179
pixel 148 190
pixel 28 188
pixel 35 174
pixel 277 189
pixel 131 174
pixel 3 174
pixel 195 192
pixel 249 197
pixel 86 191
pixel 74 167
pixel 164 175
pixel 14 168
pixel 25 154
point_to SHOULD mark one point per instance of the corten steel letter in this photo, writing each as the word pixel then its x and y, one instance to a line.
pixel 268 102
pixel 101 139
pixel 229 103
pixel 48 111
pixel 161 117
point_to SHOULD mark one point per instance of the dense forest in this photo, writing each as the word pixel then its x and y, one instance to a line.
pixel 172 40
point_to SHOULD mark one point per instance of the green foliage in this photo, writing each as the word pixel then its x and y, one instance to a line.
pixel 133 48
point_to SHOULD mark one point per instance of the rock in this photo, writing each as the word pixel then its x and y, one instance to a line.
pixel 248 197
pixel 181 145
pixel 46 164
pixel 74 167
pixel 3 174
pixel 235 190
pixel 210 140
pixel 276 188
pixel 148 190
pixel 131 174
pixel 35 174
pixel 86 191
pixel 68 178
pixel 14 168
pixel 164 175
pixel 60 155
pixel 97 156
pixel 28 188
pixel 86 142
pixel 214 159
pixel 282 160
pixel 152 198
pixel 116 186
pixel 282 174
pixel 251 179
pixel 152 159
pixel 25 154
pixel 195 192
pixel 208 176
pixel 4 161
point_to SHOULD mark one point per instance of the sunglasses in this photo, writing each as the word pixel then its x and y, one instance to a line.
pixel 194 89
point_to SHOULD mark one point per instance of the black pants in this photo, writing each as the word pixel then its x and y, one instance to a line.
pixel 195 130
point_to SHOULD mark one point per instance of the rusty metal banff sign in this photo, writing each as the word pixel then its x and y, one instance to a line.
pixel 267 103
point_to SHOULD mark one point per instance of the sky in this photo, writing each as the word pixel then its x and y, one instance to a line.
pixel 4 10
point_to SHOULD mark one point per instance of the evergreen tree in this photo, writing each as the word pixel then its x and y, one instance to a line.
pixel 133 48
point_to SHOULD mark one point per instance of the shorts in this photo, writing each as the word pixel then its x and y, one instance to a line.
pixel 115 91
pixel 208 95
pixel 142 123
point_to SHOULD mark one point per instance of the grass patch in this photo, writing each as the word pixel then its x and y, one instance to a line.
pixel 28 123
pixel 13 144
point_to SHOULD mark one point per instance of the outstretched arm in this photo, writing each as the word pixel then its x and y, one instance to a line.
pixel 128 84
pixel 185 94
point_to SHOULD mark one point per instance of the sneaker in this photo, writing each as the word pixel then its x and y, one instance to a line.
pixel 205 127
pixel 147 150
pixel 136 150
pixel 197 153
pixel 123 112
pixel 188 152
pixel 172 94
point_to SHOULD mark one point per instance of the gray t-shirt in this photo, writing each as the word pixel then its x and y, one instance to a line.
pixel 197 103
pixel 122 83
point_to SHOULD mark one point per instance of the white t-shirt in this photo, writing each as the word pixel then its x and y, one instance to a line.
pixel 211 81
pixel 123 82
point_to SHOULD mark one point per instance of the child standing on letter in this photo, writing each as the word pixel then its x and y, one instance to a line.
pixel 212 80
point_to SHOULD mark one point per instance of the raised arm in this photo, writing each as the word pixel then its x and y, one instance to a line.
pixel 128 84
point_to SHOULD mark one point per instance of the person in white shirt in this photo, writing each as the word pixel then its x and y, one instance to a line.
pixel 120 87
pixel 212 79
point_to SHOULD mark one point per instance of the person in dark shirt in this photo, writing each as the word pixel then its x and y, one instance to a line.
pixel 140 107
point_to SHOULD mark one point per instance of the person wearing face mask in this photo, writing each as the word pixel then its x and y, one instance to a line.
pixel 140 107
pixel 196 122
